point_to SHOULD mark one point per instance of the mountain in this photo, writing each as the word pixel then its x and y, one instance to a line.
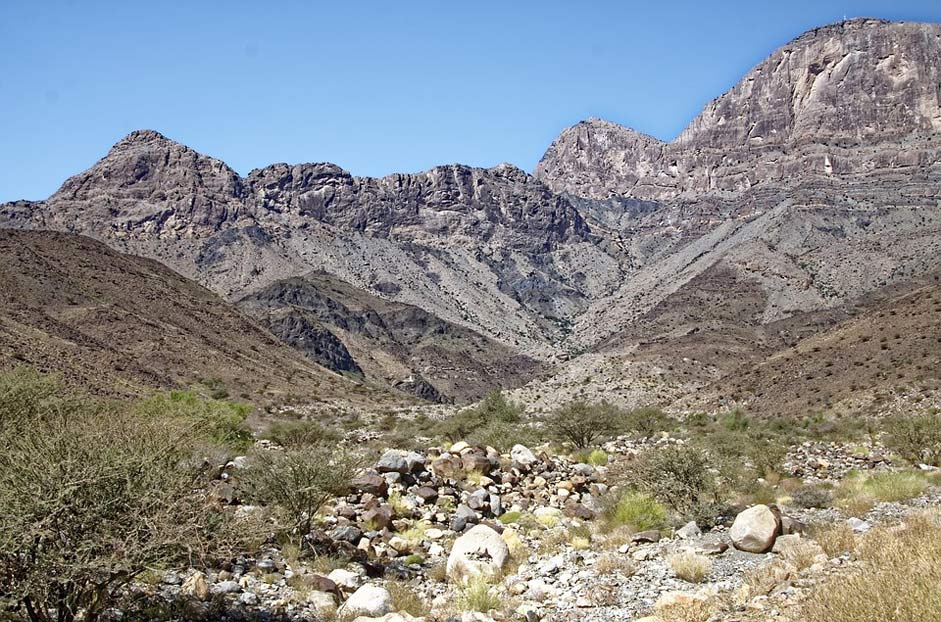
pixel 351 331
pixel 122 325
pixel 630 268
pixel 854 100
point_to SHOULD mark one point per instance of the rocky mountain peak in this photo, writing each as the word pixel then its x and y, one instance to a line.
pixel 813 107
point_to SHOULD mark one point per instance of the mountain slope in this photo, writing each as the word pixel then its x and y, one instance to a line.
pixel 121 325
pixel 400 344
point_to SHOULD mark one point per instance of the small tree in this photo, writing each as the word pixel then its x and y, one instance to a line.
pixel 90 497
pixel 301 481
pixel 582 424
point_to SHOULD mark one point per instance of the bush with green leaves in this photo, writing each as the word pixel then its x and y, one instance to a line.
pixel 915 438
pixel 678 476
pixel 646 422
pixel 636 510
pixel 92 495
pixel 301 482
pixel 496 421
pixel 583 424
pixel 223 421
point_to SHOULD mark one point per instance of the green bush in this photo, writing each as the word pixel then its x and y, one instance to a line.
pixel 646 422
pixel 300 482
pixel 92 495
pixel 916 438
pixel 636 510
pixel 296 434
pixel 678 476
pixel 583 424
pixel 812 497
pixel 495 421
pixel 223 421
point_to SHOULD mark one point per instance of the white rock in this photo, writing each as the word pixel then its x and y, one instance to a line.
pixel 522 455
pixel 480 551
pixel 755 529
pixel 323 603
pixel 345 579
pixel 368 600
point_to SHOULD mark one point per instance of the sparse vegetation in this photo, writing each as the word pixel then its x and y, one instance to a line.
pixel 636 510
pixel 93 495
pixel 678 476
pixel 916 438
pixel 477 595
pixel 900 578
pixel 690 567
pixel 582 424
pixel 300 482
pixel 297 434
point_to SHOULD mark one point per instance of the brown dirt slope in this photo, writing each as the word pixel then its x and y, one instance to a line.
pixel 119 325
pixel 884 358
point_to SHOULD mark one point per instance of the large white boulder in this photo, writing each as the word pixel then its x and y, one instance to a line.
pixel 522 455
pixel 480 551
pixel 755 529
pixel 369 600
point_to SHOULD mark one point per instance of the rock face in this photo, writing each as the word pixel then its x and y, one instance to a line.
pixel 755 529
pixel 817 106
pixel 479 552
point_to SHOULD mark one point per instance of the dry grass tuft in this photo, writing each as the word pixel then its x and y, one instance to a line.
pixel 690 567
pixel 834 539
pixel 900 578
pixel 611 563
pixel 405 598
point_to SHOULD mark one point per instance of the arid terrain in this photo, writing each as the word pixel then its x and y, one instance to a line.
pixel 693 380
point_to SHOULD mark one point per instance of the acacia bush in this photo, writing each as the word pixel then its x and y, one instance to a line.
pixel 91 496
pixel 220 422
pixel 300 482
pixel 583 424
pixel 678 476
pixel 296 434
pixel 496 421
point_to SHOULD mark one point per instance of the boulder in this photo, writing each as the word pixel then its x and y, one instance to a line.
pixel 371 483
pixel 323 603
pixel 392 462
pixel 522 455
pixel 369 600
pixel 479 552
pixel 755 529
pixel 688 531
pixel 345 579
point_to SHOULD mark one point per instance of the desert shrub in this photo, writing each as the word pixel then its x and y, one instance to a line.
pixel 406 598
pixel 858 493
pixel 582 424
pixel 610 563
pixel 646 422
pixel 296 434
pixel 223 421
pixel 301 482
pixel 916 439
pixel 636 510
pixel 502 435
pixel 834 539
pixel 812 497
pixel 92 496
pixel 900 579
pixel 678 476
pixel 691 567
pixel 477 595
pixel 494 410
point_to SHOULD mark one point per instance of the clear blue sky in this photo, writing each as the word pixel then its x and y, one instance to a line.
pixel 376 87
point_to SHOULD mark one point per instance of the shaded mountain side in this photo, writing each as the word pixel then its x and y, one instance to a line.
pixel 886 352
pixel 395 343
pixel 121 325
